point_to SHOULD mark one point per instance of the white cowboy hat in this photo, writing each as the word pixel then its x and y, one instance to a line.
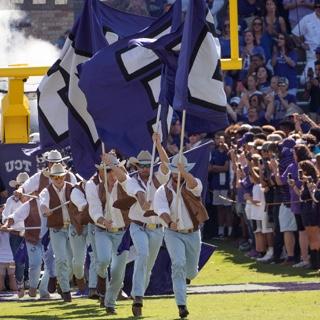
pixel 144 157
pixel 173 165
pixel 114 160
pixel 20 179
pixel 54 156
pixel 58 170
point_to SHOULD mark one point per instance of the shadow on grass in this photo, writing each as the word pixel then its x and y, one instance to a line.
pixel 232 254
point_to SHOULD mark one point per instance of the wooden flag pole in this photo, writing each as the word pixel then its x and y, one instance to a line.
pixel 153 156
pixel 178 207
pixel 105 176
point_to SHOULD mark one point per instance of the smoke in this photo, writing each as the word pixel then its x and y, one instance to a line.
pixel 16 47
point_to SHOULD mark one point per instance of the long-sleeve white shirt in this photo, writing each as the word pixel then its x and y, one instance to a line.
pixel 10 207
pixel 32 184
pixel 161 205
pixel 133 185
pixel 78 198
pixel 20 214
pixel 95 205
pixel 45 200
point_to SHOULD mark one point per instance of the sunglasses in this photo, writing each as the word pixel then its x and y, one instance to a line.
pixel 280 38
pixel 142 166
pixel 57 177
pixel 257 23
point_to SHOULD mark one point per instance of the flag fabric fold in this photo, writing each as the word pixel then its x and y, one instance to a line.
pixel 62 107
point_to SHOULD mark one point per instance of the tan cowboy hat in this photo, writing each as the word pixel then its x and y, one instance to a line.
pixel 54 156
pixel 114 160
pixel 21 178
pixel 144 157
pixel 173 165
pixel 58 170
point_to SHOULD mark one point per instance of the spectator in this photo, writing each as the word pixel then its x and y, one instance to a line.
pixel 224 40
pixel 284 102
pixel 248 50
pixel 307 32
pixel 219 184
pixel 312 92
pixel 263 79
pixel 262 38
pixel 273 23
pixel 297 9
pixel 248 9
pixel 284 61
pixel 3 191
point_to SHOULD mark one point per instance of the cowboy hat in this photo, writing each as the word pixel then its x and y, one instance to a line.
pixel 58 170
pixel 54 156
pixel 173 165
pixel 114 160
pixel 20 179
pixel 144 157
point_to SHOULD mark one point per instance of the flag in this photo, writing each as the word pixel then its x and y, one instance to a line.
pixel 124 104
pixel 198 82
pixel 62 107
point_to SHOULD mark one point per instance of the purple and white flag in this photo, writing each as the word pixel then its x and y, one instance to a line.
pixel 62 107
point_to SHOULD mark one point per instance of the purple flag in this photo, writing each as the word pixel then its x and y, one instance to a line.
pixel 62 107
pixel 199 86
pixel 122 86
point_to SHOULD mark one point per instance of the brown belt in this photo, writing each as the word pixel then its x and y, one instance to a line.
pixel 150 226
pixel 186 231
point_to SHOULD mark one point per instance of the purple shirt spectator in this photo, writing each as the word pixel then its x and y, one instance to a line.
pixel 219 180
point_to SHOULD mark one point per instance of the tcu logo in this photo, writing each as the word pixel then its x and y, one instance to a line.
pixel 18 165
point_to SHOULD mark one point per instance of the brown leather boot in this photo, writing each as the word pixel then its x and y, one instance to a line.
pixel 66 296
pixel 183 312
pixel 81 283
pixel 32 292
pixel 137 307
pixel 52 284
pixel 101 288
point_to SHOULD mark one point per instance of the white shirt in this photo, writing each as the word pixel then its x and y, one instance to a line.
pixel 309 28
pixel 32 184
pixel 95 205
pixel 45 200
pixel 10 207
pixel 5 249
pixel 23 212
pixel 132 187
pixel 161 205
pixel 258 211
pixel 78 198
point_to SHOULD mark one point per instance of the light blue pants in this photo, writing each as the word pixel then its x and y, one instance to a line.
pixel 60 244
pixel 147 244
pixel 35 254
pixel 184 251
pixel 107 244
pixel 93 256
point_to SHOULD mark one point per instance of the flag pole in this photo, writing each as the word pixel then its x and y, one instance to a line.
pixel 178 208
pixel 105 181
pixel 153 155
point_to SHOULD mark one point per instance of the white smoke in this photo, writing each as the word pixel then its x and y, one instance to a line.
pixel 18 48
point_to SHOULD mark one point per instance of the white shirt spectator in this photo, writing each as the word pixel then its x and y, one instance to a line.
pixel 22 213
pixel 133 185
pixel 258 211
pixel 32 184
pixel 161 205
pixel 95 205
pixel 309 28
pixel 45 199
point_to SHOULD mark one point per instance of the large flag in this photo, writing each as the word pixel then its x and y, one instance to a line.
pixel 62 107
pixel 124 104
pixel 199 86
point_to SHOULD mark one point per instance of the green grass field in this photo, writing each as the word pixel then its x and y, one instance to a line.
pixel 227 266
